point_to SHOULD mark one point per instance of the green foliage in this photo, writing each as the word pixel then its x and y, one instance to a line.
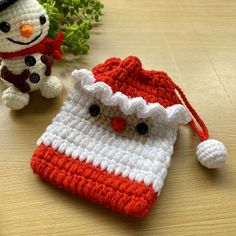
pixel 75 19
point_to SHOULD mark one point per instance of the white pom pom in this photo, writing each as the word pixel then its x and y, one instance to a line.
pixel 212 153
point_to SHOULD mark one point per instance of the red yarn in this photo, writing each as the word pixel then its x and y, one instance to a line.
pixel 47 46
pixel 118 124
pixel 129 78
pixel 115 192
pixel 203 133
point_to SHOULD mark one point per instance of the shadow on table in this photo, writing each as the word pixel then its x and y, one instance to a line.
pixel 38 105
pixel 219 177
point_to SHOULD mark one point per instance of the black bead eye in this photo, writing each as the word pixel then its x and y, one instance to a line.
pixel 142 128
pixel 5 27
pixel 94 110
pixel 43 19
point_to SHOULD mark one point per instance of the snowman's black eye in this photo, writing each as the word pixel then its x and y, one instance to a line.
pixel 5 27
pixel 94 110
pixel 43 19
pixel 142 128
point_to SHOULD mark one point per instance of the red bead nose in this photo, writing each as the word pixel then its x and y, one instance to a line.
pixel 118 124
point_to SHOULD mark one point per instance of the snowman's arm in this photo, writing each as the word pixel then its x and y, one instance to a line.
pixel 48 61
pixel 19 81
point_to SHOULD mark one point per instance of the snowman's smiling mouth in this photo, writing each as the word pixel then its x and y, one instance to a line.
pixel 27 43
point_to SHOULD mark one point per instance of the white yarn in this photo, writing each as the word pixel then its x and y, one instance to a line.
pixel 75 133
pixel 86 81
pixel 17 65
pixel 19 13
pixel 22 12
pixel 212 153
pixel 14 99
pixel 51 87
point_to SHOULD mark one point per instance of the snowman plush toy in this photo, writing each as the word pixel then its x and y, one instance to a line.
pixel 27 55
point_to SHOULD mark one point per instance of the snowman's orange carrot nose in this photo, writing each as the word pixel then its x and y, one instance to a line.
pixel 27 30
pixel 119 124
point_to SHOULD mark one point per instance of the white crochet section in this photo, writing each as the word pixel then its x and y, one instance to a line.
pixel 50 87
pixel 212 153
pixel 25 12
pixel 74 133
pixel 17 65
pixel 14 99
pixel 86 82
pixel 19 13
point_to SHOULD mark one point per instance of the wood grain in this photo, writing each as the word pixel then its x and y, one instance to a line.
pixel 195 42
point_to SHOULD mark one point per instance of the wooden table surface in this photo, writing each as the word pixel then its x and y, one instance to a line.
pixel 195 42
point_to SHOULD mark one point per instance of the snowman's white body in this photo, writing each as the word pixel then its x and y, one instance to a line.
pixel 16 66
pixel 18 14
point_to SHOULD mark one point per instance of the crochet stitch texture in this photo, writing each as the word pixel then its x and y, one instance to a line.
pixel 84 155
pixel 122 168
pixel 26 54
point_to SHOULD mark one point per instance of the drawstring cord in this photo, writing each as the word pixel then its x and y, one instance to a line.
pixel 203 132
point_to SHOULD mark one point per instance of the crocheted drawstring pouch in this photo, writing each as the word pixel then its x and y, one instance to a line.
pixel 113 139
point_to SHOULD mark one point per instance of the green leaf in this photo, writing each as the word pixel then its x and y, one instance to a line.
pixel 75 18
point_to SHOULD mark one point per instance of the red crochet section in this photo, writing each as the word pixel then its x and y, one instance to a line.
pixel 85 180
pixel 131 79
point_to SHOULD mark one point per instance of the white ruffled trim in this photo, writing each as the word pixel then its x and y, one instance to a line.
pixel 102 91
